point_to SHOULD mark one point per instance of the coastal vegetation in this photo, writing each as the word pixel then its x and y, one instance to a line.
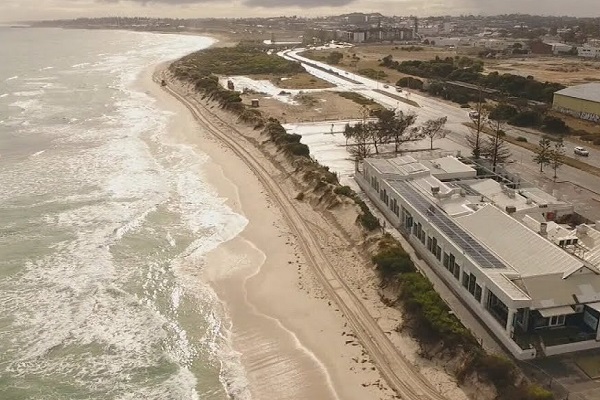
pixel 238 60
pixel 469 70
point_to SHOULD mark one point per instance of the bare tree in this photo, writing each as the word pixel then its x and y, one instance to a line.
pixel 543 152
pixel 433 129
pixel 474 138
pixel 557 155
pixel 496 147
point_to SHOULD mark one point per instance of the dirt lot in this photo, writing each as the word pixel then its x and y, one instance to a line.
pixel 315 107
pixel 568 71
pixel 296 81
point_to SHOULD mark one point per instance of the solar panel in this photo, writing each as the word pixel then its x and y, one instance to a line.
pixel 438 218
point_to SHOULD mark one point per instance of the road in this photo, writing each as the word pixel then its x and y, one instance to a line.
pixel 586 203
pixel 400 374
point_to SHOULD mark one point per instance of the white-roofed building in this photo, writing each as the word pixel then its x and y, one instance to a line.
pixel 535 283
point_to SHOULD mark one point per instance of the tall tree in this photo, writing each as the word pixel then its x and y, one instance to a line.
pixel 474 138
pixel 496 147
pixel 395 127
pixel 433 129
pixel 543 153
pixel 361 136
pixel 557 155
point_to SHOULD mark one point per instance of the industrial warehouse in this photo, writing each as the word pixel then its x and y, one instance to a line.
pixel 581 101
pixel 500 247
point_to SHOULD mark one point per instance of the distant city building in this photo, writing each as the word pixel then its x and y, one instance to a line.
pixel 546 47
pixel 581 101
pixel 534 282
pixel 357 18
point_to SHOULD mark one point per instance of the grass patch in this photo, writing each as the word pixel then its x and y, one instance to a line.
pixel 398 98
pixel 301 81
pixel 361 100
pixel 238 60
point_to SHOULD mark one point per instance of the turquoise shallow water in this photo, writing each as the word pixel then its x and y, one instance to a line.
pixel 102 218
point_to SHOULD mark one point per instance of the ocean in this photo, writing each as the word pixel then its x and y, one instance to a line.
pixel 104 223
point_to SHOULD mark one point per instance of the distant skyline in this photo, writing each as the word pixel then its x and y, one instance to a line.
pixel 18 10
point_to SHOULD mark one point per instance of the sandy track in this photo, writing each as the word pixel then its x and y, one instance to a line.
pixel 398 372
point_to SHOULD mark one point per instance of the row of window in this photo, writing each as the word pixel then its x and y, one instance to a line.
pixel 469 281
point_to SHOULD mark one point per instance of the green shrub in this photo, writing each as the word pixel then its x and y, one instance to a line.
pixel 344 191
pixel 366 218
pixel 526 119
pixel 521 139
pixel 554 125
pixel 373 74
pixel 392 261
pixel 432 320
pixel 498 370
pixel 368 221
pixel 535 392
pixel 298 149
pixel 411 83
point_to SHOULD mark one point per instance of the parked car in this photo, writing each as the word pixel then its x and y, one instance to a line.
pixel 473 115
pixel 581 151
pixel 399 89
pixel 386 86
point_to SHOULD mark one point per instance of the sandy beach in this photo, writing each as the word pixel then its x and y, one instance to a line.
pixel 293 343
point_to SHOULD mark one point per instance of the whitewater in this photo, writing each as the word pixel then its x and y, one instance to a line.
pixel 104 225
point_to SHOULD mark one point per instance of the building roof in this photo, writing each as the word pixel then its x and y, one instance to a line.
pixel 555 291
pixel 523 249
pixel 448 165
pixel 587 91
pixel 400 166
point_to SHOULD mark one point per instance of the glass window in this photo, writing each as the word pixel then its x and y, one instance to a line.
pixel 446 260
pixel 465 280
pixel 457 271
pixel 478 293
pixel 472 283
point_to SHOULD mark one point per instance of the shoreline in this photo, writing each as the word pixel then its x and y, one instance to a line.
pixel 291 340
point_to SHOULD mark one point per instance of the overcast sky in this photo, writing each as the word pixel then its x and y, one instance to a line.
pixel 13 10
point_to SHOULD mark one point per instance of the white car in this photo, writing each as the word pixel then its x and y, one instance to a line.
pixel 581 151
pixel 473 115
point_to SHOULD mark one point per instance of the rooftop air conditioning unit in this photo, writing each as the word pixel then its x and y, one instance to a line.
pixel 435 190
pixel 544 228
pixel 511 209
pixel 528 201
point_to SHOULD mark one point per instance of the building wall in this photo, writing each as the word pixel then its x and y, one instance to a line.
pixel 538 47
pixel 462 261
pixel 588 52
pixel 579 108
